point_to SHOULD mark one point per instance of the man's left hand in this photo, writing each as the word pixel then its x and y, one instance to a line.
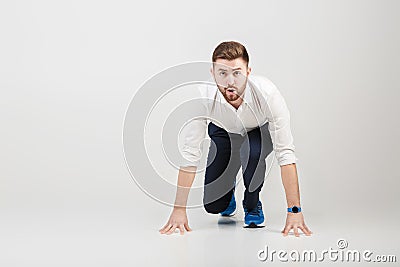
pixel 295 221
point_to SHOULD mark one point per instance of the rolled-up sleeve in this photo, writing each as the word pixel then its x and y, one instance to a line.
pixel 194 132
pixel 193 142
pixel 279 126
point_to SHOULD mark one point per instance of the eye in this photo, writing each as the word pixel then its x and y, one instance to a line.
pixel 222 73
pixel 236 73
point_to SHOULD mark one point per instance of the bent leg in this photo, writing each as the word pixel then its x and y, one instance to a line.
pixel 223 164
pixel 255 149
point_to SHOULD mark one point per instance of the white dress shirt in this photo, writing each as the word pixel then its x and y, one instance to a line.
pixel 262 103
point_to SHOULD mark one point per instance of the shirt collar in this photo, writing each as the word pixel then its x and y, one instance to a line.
pixel 247 97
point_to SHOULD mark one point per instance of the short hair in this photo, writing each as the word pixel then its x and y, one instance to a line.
pixel 230 50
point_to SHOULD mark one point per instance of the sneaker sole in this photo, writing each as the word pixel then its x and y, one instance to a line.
pixel 230 215
pixel 253 225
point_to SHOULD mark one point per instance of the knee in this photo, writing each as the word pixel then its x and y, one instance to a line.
pixel 213 207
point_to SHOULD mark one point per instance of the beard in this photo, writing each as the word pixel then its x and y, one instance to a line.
pixel 231 93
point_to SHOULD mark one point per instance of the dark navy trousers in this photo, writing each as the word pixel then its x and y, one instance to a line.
pixel 227 153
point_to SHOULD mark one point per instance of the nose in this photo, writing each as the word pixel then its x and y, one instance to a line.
pixel 230 80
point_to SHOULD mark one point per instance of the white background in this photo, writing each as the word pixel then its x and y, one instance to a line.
pixel 68 70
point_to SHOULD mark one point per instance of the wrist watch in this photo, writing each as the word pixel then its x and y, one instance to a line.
pixel 294 209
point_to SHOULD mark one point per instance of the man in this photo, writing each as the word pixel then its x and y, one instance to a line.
pixel 249 120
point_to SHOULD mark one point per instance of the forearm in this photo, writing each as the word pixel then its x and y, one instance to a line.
pixel 185 180
pixel 291 184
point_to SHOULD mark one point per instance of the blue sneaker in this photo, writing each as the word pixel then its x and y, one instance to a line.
pixel 254 217
pixel 230 210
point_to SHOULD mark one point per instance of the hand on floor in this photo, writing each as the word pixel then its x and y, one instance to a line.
pixel 177 220
pixel 295 221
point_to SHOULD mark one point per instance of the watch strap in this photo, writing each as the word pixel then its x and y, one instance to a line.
pixel 291 209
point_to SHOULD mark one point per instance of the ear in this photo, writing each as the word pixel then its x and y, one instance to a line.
pixel 248 70
pixel 211 70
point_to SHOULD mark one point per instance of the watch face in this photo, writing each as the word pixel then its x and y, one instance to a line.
pixel 295 209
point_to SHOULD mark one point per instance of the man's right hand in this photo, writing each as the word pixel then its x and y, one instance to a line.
pixel 177 220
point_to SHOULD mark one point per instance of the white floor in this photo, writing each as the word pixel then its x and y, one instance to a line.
pixel 114 238
pixel 104 219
